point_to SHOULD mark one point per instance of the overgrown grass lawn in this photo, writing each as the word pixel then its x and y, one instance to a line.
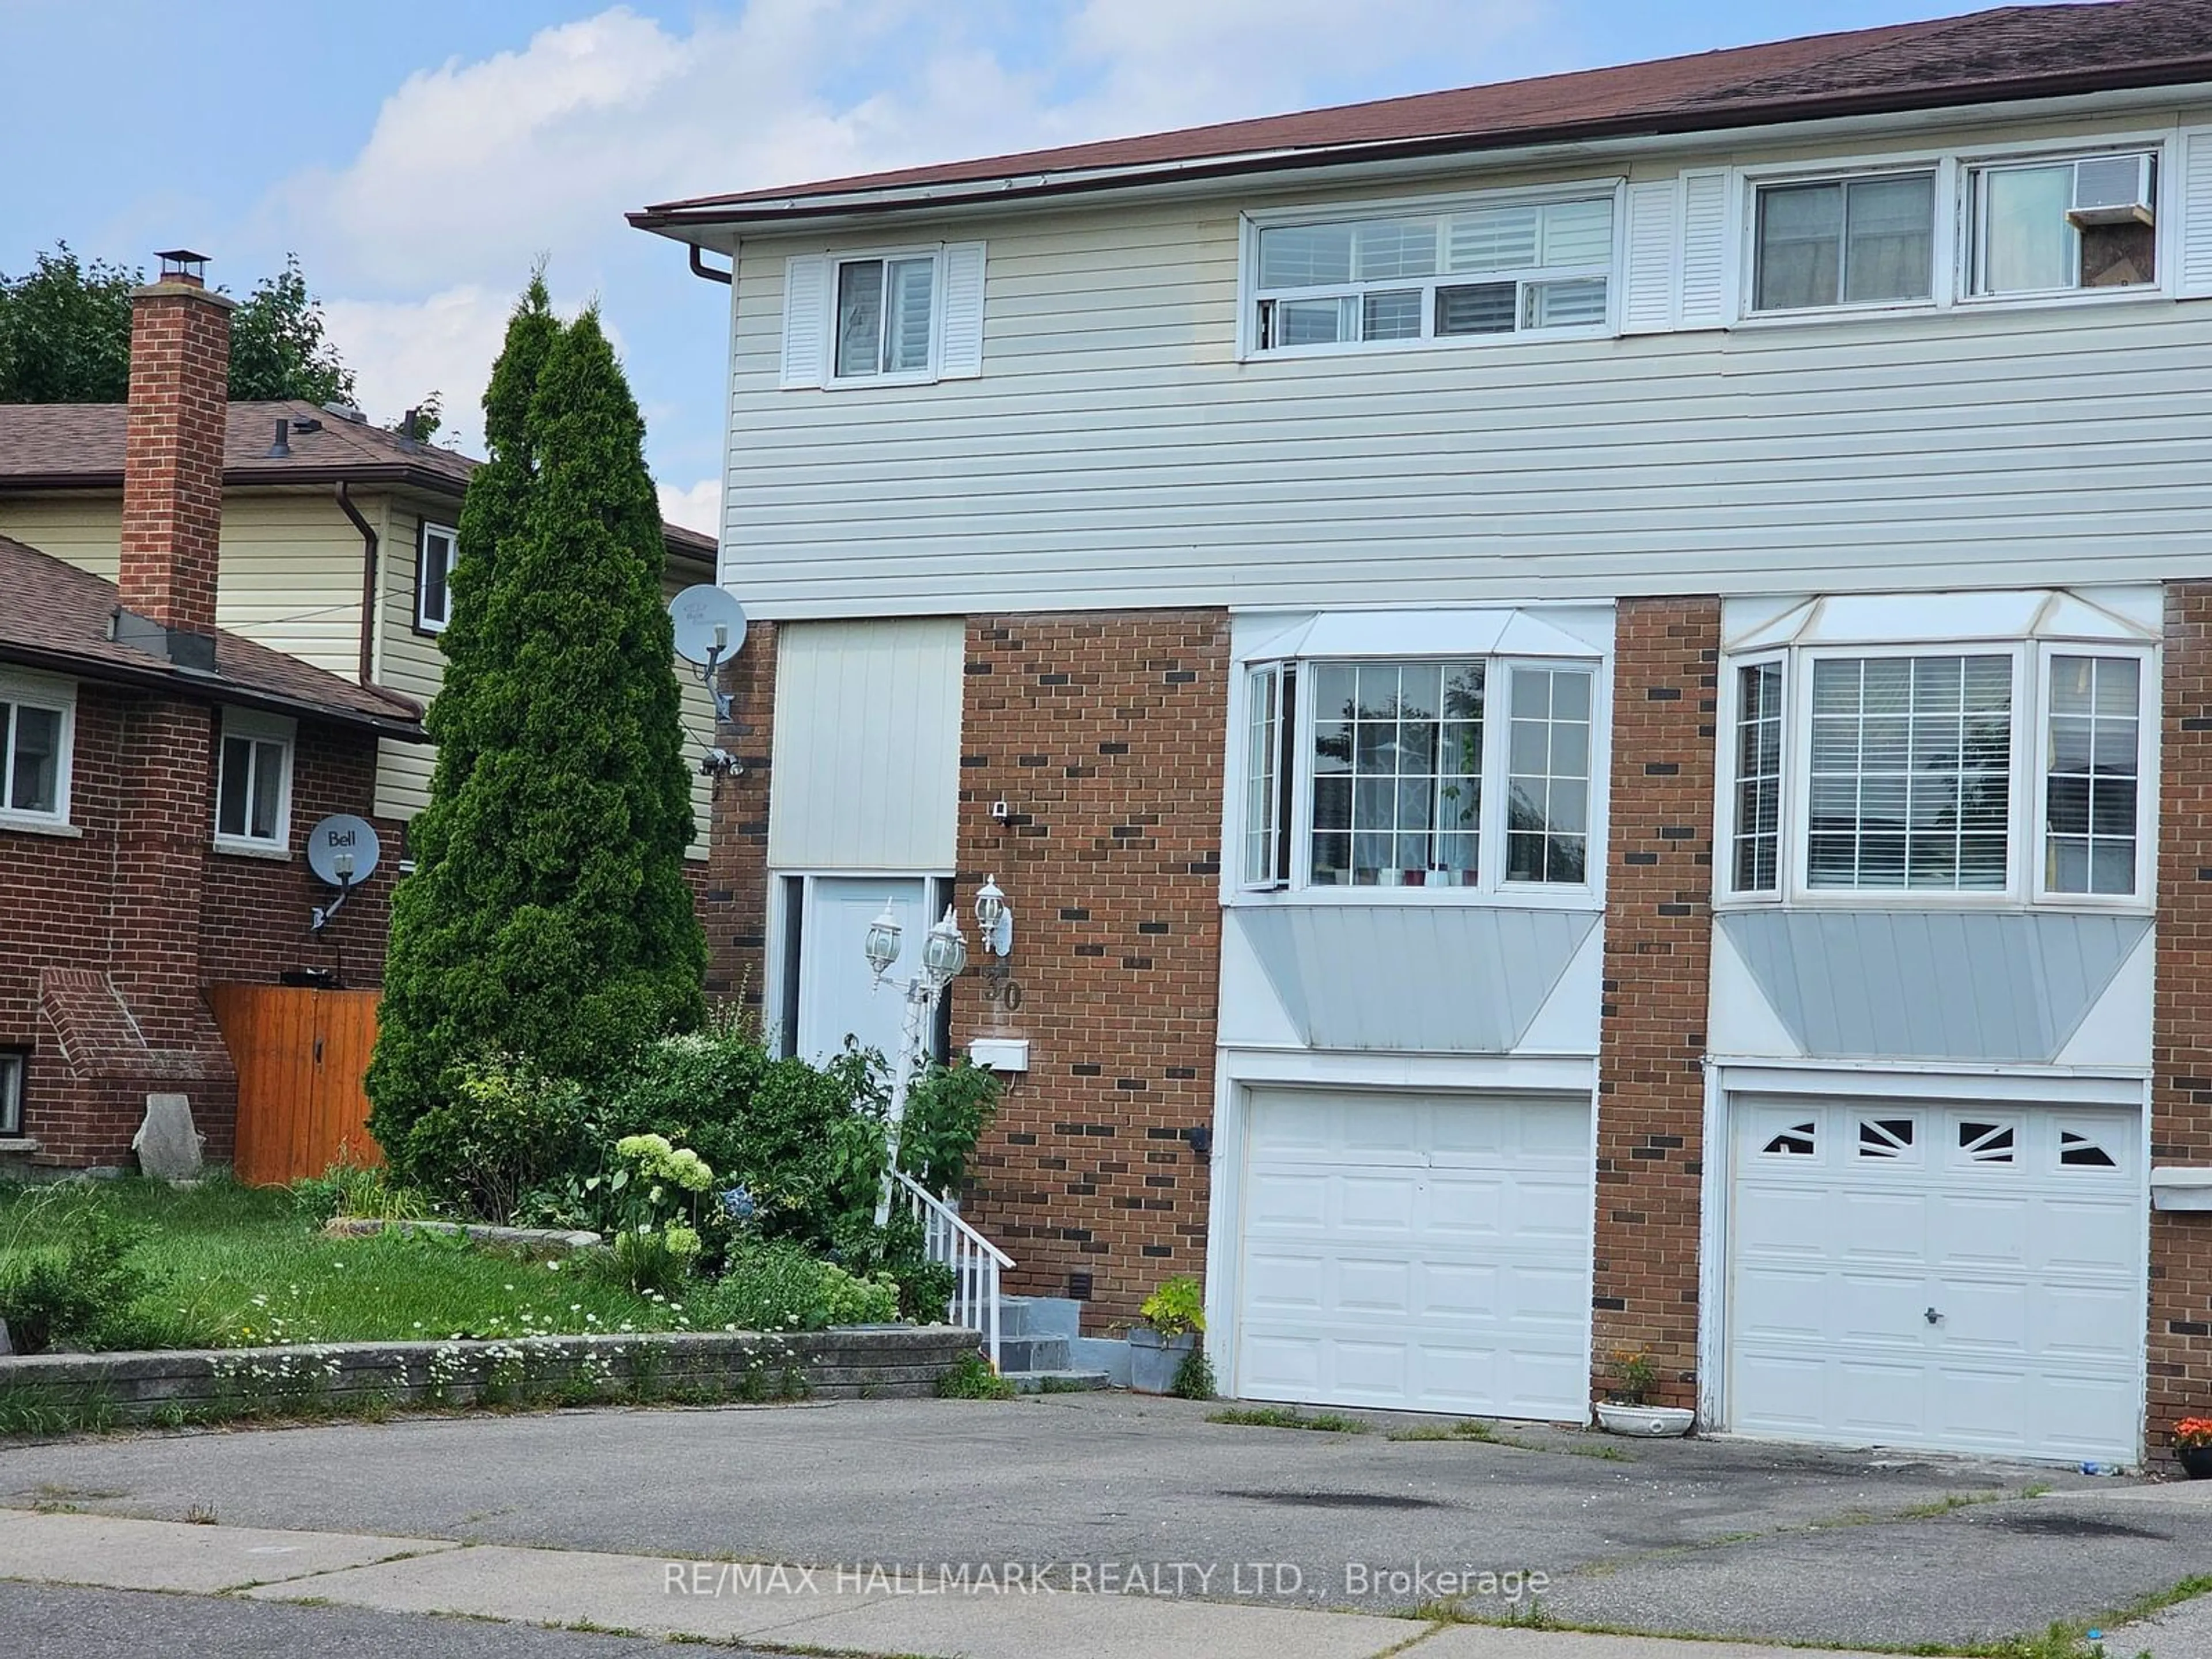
pixel 243 1267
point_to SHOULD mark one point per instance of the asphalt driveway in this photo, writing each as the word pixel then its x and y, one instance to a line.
pixel 1710 1537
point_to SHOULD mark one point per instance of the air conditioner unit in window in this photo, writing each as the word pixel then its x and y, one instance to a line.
pixel 2113 190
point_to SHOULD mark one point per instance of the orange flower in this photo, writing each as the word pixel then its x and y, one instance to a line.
pixel 2193 1432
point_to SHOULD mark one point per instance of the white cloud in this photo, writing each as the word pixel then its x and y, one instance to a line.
pixel 474 170
pixel 699 508
pixel 402 350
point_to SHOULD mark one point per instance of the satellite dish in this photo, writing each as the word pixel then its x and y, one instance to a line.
pixel 710 623
pixel 343 850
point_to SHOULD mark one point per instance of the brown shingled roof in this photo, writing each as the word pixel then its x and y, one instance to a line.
pixel 56 617
pixel 80 447
pixel 66 445
pixel 2013 53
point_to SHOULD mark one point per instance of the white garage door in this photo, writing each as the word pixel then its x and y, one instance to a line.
pixel 1967 1278
pixel 1429 1253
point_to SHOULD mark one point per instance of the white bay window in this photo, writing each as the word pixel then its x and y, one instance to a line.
pixel 1994 770
pixel 1468 773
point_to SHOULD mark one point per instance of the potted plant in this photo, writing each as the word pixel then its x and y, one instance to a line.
pixel 1173 1315
pixel 2192 1444
pixel 1624 1410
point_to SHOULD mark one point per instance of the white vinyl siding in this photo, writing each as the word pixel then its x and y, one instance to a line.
pixel 1120 446
pixel 867 745
pixel 290 564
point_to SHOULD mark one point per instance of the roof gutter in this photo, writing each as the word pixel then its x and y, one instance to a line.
pixel 211 688
pixel 368 569
pixel 399 473
pixel 675 218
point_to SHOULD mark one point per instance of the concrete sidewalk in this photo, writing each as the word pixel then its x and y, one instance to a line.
pixel 810 1609
pixel 718 1602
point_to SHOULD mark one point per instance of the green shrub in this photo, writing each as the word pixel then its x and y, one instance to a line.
pixel 503 1129
pixel 1194 1378
pixel 1177 1308
pixel 355 1189
pixel 78 1289
pixel 947 1109
pixel 775 1286
pixel 972 1378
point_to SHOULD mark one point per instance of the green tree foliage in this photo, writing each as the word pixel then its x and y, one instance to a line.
pixel 65 336
pixel 65 331
pixel 277 345
pixel 548 918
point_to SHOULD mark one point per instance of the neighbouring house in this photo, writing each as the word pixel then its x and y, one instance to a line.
pixel 338 538
pixel 158 778
pixel 1593 698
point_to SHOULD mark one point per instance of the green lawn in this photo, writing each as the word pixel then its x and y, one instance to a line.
pixel 243 1266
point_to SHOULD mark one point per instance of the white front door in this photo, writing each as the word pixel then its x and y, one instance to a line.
pixel 1961 1278
pixel 1415 1252
pixel 838 997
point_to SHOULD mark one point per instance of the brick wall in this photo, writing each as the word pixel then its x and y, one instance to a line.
pixel 1657 965
pixel 733 903
pixel 2180 1314
pixel 253 919
pixel 136 913
pixel 1103 735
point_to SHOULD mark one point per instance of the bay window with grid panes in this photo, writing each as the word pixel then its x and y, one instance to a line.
pixel 1472 773
pixel 1985 772
pixel 1483 270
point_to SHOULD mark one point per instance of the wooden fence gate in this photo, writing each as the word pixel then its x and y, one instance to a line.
pixel 303 1058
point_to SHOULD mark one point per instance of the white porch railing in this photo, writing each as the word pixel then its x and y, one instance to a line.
pixel 976 1261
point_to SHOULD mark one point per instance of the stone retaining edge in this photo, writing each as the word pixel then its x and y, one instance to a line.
pixel 838 1363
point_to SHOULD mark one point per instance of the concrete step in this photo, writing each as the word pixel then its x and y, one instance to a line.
pixel 1039 1315
pixel 1057 1381
pixel 1032 1353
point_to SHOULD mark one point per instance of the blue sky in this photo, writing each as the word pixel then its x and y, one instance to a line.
pixel 419 157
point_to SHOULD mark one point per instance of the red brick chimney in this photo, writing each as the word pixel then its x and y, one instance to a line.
pixel 173 461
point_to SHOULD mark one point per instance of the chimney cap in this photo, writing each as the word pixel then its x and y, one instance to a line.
pixel 182 265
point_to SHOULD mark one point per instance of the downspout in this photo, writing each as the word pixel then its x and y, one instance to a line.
pixel 700 267
pixel 367 581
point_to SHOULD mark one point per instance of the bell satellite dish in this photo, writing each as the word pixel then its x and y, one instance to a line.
pixel 710 624
pixel 343 850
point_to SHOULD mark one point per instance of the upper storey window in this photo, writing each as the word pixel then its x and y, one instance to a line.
pixel 1494 268
pixel 883 317
pixel 2056 226
pixel 1845 242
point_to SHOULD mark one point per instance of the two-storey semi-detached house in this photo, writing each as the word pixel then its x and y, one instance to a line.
pixel 1594 697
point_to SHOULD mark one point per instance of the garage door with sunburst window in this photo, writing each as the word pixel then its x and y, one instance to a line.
pixel 1958 1278
pixel 1421 1252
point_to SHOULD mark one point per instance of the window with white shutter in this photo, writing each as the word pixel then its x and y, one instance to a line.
pixel 2196 202
pixel 905 316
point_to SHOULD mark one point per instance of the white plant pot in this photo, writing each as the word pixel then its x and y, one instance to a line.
pixel 1650 1421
